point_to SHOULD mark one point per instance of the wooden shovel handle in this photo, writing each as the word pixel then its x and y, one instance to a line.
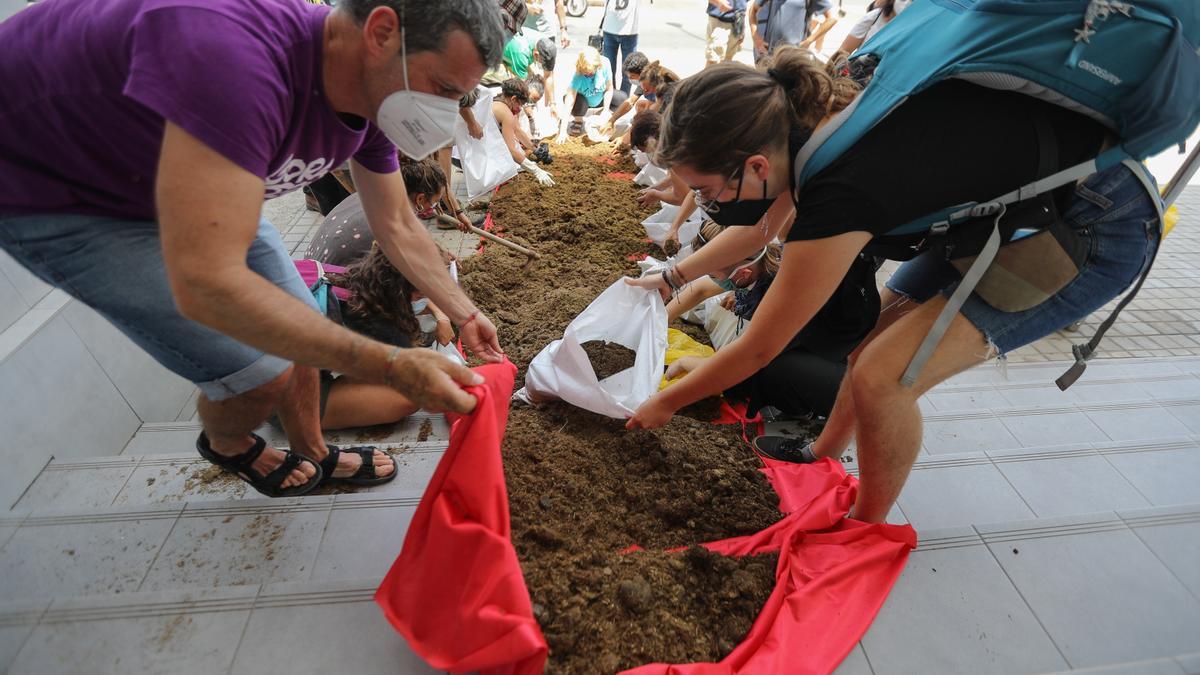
pixel 504 242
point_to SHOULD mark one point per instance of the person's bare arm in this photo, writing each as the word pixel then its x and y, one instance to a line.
pixel 731 246
pixel 508 130
pixel 696 293
pixel 564 40
pixel 445 329
pixel 686 209
pixel 808 276
pixel 820 31
pixel 473 126
pixel 448 199
pixel 625 107
pixel 850 44
pixel 409 247
pixel 760 45
pixel 205 241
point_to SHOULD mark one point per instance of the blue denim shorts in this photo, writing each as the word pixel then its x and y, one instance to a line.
pixel 115 266
pixel 1118 224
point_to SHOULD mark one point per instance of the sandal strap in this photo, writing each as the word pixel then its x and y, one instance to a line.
pixel 240 462
pixel 275 478
pixel 366 467
pixel 330 462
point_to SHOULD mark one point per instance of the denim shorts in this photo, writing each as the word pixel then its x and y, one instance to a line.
pixel 115 266
pixel 1115 218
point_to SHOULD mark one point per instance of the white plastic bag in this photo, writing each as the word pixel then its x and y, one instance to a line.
pixel 486 161
pixel 450 351
pixel 627 315
pixel 623 124
pixel 658 224
pixel 650 175
pixel 722 325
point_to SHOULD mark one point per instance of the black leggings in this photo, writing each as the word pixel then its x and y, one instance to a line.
pixel 796 382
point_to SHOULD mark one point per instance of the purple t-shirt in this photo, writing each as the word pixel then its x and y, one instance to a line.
pixel 89 83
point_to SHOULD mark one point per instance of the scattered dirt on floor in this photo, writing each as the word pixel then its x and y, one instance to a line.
pixel 608 358
pixel 425 431
pixel 582 489
pixel 376 433
pixel 211 479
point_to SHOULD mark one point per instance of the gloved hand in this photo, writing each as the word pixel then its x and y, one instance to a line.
pixel 540 174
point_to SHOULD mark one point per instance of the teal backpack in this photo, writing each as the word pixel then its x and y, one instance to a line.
pixel 1133 66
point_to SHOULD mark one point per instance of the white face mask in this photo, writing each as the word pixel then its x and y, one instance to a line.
pixel 418 123
pixel 419 306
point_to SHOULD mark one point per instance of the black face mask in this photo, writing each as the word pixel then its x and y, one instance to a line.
pixel 737 211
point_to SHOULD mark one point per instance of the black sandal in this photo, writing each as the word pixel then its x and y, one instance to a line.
pixel 366 471
pixel 241 466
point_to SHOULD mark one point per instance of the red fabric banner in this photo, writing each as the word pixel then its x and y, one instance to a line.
pixel 457 595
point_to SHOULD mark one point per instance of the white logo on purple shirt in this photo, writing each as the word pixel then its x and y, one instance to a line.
pixel 295 174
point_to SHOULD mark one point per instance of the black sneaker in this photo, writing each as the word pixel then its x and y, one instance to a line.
pixel 785 449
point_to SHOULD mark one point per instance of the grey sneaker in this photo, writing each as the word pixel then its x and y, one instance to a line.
pixel 785 449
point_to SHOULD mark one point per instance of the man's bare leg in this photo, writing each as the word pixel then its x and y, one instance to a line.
pixel 841 426
pixel 228 425
pixel 889 420
pixel 300 416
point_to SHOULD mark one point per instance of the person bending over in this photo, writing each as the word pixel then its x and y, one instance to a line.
pixel 218 299
pixel 804 378
pixel 590 88
pixel 670 190
pixel 895 173
pixel 513 97
pixel 372 298
pixel 634 64
pixel 344 236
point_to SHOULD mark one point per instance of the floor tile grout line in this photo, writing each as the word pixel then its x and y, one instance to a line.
pixel 1195 595
pixel 1149 502
pixel 128 478
pixel 866 656
pixel 1014 489
pixel 245 627
pixel 162 544
pixel 312 568
pixel 1025 600
pixel 91 353
pixel 38 622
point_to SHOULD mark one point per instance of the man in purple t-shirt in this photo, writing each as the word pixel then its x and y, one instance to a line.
pixel 121 119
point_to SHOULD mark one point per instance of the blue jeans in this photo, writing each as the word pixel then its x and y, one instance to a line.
pixel 1116 219
pixel 115 266
pixel 627 45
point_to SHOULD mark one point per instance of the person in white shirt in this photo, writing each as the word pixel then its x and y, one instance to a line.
pixel 620 28
pixel 548 18
pixel 881 13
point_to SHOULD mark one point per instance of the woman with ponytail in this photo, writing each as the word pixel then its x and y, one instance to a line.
pixel 952 143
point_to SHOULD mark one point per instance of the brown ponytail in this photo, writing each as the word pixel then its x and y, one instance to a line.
pixel 814 89
pixel 728 112
pixel 656 76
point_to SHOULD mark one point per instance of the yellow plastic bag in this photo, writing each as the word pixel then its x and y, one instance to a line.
pixel 679 344
pixel 1169 219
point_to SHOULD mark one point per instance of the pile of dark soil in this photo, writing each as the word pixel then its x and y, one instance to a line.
pixel 608 358
pixel 581 488
pixel 586 228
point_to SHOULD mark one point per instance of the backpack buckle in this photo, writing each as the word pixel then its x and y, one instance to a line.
pixel 986 209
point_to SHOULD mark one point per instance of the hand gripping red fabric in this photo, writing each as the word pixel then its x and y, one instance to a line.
pixel 457 594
